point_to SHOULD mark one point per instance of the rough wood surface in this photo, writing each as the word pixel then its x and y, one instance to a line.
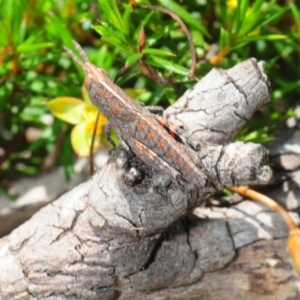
pixel 115 237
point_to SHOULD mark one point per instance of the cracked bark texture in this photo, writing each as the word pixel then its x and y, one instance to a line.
pixel 128 233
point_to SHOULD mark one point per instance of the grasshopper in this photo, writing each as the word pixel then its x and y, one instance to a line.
pixel 137 128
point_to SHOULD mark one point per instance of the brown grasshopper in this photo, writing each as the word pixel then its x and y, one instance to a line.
pixel 137 128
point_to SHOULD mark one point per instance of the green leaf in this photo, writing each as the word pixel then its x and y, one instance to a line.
pixel 166 65
pixel 268 37
pixel 62 31
pixel 160 52
pixel 249 24
pixel 5 192
pixel 119 45
pixel 250 20
pixel 258 136
pixel 5 94
pixel 162 32
pixel 239 15
pixel 105 57
pixel 32 47
pixel 111 11
pixel 28 170
pixel 286 87
pixel 170 93
pixel 257 6
pixel 126 19
pixel 116 38
pixel 198 38
pixel 181 54
pixel 116 10
pixel 108 31
pixel 134 72
pixel 225 39
pixel 183 14
pixel 146 20
pixel 11 22
pixel 296 13
pixel 157 96
pixel 256 20
pixel 272 17
pixel 18 10
pixel 132 59
pixel 38 143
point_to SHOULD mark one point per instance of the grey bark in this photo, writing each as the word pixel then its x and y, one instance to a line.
pixel 128 233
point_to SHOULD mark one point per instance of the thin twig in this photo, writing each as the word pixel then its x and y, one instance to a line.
pixel 122 71
pixel 243 190
pixel 91 156
pixel 192 70
pixel 96 10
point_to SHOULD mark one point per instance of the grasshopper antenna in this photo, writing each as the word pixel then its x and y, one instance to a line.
pixel 81 64
pixel 75 58
pixel 81 52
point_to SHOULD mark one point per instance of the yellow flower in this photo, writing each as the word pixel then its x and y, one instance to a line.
pixel 83 115
pixel 232 4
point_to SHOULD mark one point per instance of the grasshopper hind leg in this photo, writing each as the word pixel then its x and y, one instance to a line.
pixel 107 134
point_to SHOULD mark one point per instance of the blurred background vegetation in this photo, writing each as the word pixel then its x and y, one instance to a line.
pixel 34 67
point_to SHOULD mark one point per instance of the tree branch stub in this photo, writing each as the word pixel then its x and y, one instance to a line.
pixel 114 237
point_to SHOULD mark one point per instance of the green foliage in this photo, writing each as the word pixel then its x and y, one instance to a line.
pixel 35 69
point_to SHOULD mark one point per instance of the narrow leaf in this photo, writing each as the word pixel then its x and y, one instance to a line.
pixel 184 15
pixel 62 31
pixel 268 37
pixel 239 15
pixel 160 52
pixel 153 39
pixel 257 6
pixel 32 47
pixel 249 23
pixel 273 17
pixel 296 13
pixel 166 65
pixel 133 58
pixel 224 39
pixel 126 19
pixel 112 13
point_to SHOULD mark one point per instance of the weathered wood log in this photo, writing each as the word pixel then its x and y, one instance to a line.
pixel 127 233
